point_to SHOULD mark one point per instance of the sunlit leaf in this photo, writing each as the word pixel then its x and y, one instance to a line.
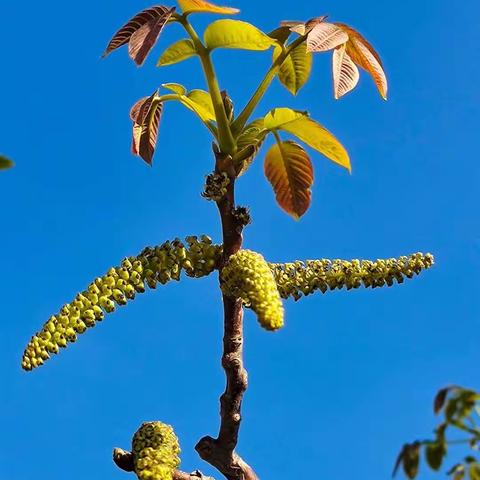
pixel 319 138
pixel 145 114
pixel 365 56
pixel 325 36
pixel 5 163
pixel 345 72
pixel 278 117
pixel 474 471
pixel 175 88
pixel 289 170
pixel 236 34
pixel 177 52
pixel 295 70
pixel 154 17
pixel 201 6
pixel 201 103
pixel 144 39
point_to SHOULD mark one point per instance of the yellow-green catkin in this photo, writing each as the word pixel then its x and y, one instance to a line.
pixel 247 275
pixel 154 265
pixel 155 451
pixel 295 279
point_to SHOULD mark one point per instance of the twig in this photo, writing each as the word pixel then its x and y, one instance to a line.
pixel 220 452
pixel 124 461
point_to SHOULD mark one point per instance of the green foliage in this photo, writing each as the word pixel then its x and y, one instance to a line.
pixel 295 70
pixel 460 409
pixel 177 52
pixel 236 34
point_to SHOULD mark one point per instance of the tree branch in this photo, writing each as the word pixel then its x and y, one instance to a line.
pixel 220 452
pixel 124 461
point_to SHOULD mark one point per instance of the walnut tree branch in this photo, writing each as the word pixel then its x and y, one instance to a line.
pixel 124 461
pixel 220 451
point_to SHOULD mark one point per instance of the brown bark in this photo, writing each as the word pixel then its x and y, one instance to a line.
pixel 220 451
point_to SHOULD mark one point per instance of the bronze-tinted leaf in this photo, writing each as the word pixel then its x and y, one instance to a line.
pixel 144 39
pixel 411 460
pixel 325 36
pixel 303 27
pixel 202 6
pixel 365 56
pixel 434 454
pixel 5 163
pixel 345 72
pixel 145 114
pixel 289 170
pixel 440 398
pixel 123 36
pixel 399 460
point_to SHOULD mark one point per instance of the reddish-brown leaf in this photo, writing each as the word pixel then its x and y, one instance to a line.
pixel 289 170
pixel 153 16
pixel 365 56
pixel 325 36
pixel 302 27
pixel 145 114
pixel 345 72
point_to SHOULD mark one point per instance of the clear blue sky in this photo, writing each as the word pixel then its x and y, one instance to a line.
pixel 352 375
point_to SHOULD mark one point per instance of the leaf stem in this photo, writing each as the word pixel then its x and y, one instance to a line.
pixel 225 137
pixel 245 114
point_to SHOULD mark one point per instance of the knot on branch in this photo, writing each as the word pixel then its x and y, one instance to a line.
pixel 216 186
pixel 120 284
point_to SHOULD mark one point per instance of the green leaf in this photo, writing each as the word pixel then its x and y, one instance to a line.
pixel 310 132
pixel 249 140
pixel 320 139
pixel 5 163
pixel 175 88
pixel 236 34
pixel 295 70
pixel 177 52
pixel 201 103
pixel 278 117
pixel 289 170
pixel 201 6
pixel 474 471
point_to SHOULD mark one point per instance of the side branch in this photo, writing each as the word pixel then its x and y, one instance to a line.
pixel 220 452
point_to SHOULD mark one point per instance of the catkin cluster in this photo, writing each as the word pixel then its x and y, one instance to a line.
pixel 216 186
pixel 295 279
pixel 247 275
pixel 155 451
pixel 153 266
